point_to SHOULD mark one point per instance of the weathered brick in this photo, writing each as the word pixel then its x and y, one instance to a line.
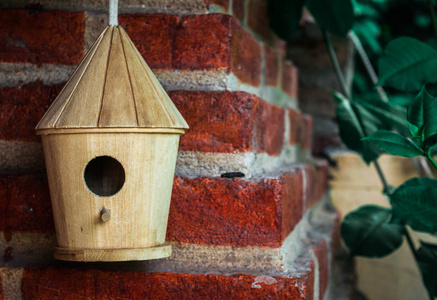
pixel 238 9
pixel 258 18
pixel 322 252
pixel 293 207
pixel 25 204
pixel 308 132
pixel 153 35
pixel 66 283
pixel 53 37
pixel 316 182
pixel 270 128
pixel 209 115
pixel 271 59
pixel 256 125
pixel 203 42
pixel 220 211
pixel 196 42
pixel 296 126
pixel 245 56
pixel 209 211
pixel 22 108
pixel 290 79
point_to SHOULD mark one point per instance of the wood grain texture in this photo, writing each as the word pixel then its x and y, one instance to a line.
pixel 113 254
pixel 139 211
pixel 113 87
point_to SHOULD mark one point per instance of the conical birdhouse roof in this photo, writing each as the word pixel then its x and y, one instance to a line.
pixel 113 87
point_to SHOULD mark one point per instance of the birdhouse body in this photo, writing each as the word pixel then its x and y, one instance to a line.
pixel 110 143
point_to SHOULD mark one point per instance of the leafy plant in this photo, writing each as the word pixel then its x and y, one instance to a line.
pixel 369 126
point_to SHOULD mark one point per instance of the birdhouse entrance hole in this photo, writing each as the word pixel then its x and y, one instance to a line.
pixel 104 176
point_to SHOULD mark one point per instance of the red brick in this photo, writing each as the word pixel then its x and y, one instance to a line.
pixel 212 211
pixel 53 37
pixel 270 128
pixel 238 9
pixel 258 18
pixel 296 126
pixel 316 182
pixel 22 108
pixel 271 59
pixel 153 35
pixel 63 283
pixel 290 79
pixel 25 204
pixel 203 42
pixel 210 114
pixel 246 56
pixel 219 211
pixel 308 132
pixel 196 42
pixel 224 4
pixel 322 252
pixel 292 190
pixel 256 125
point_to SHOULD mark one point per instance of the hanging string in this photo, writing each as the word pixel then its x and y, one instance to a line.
pixel 113 12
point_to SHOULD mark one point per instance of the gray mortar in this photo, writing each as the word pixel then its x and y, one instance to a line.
pixel 19 74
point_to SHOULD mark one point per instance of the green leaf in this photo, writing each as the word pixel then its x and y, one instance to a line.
pixel 414 130
pixel 393 143
pixel 284 16
pixel 368 232
pixel 415 202
pixel 335 16
pixel 422 113
pixel 407 64
pixel 354 122
pixel 427 260
pixel 422 109
pixel 392 116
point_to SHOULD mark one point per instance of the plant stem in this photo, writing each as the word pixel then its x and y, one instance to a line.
pixel 413 250
pixel 431 160
pixel 419 161
pixel 346 92
pixel 368 65
pixel 336 65
pixel 432 12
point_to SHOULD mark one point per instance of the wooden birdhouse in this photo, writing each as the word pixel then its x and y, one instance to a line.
pixel 110 144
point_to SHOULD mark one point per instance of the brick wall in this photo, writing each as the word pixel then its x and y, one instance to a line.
pixel 267 234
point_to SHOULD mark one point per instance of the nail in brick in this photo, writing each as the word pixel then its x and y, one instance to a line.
pixel 22 108
pixel 153 35
pixel 52 37
pixel 235 212
pixel 66 283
